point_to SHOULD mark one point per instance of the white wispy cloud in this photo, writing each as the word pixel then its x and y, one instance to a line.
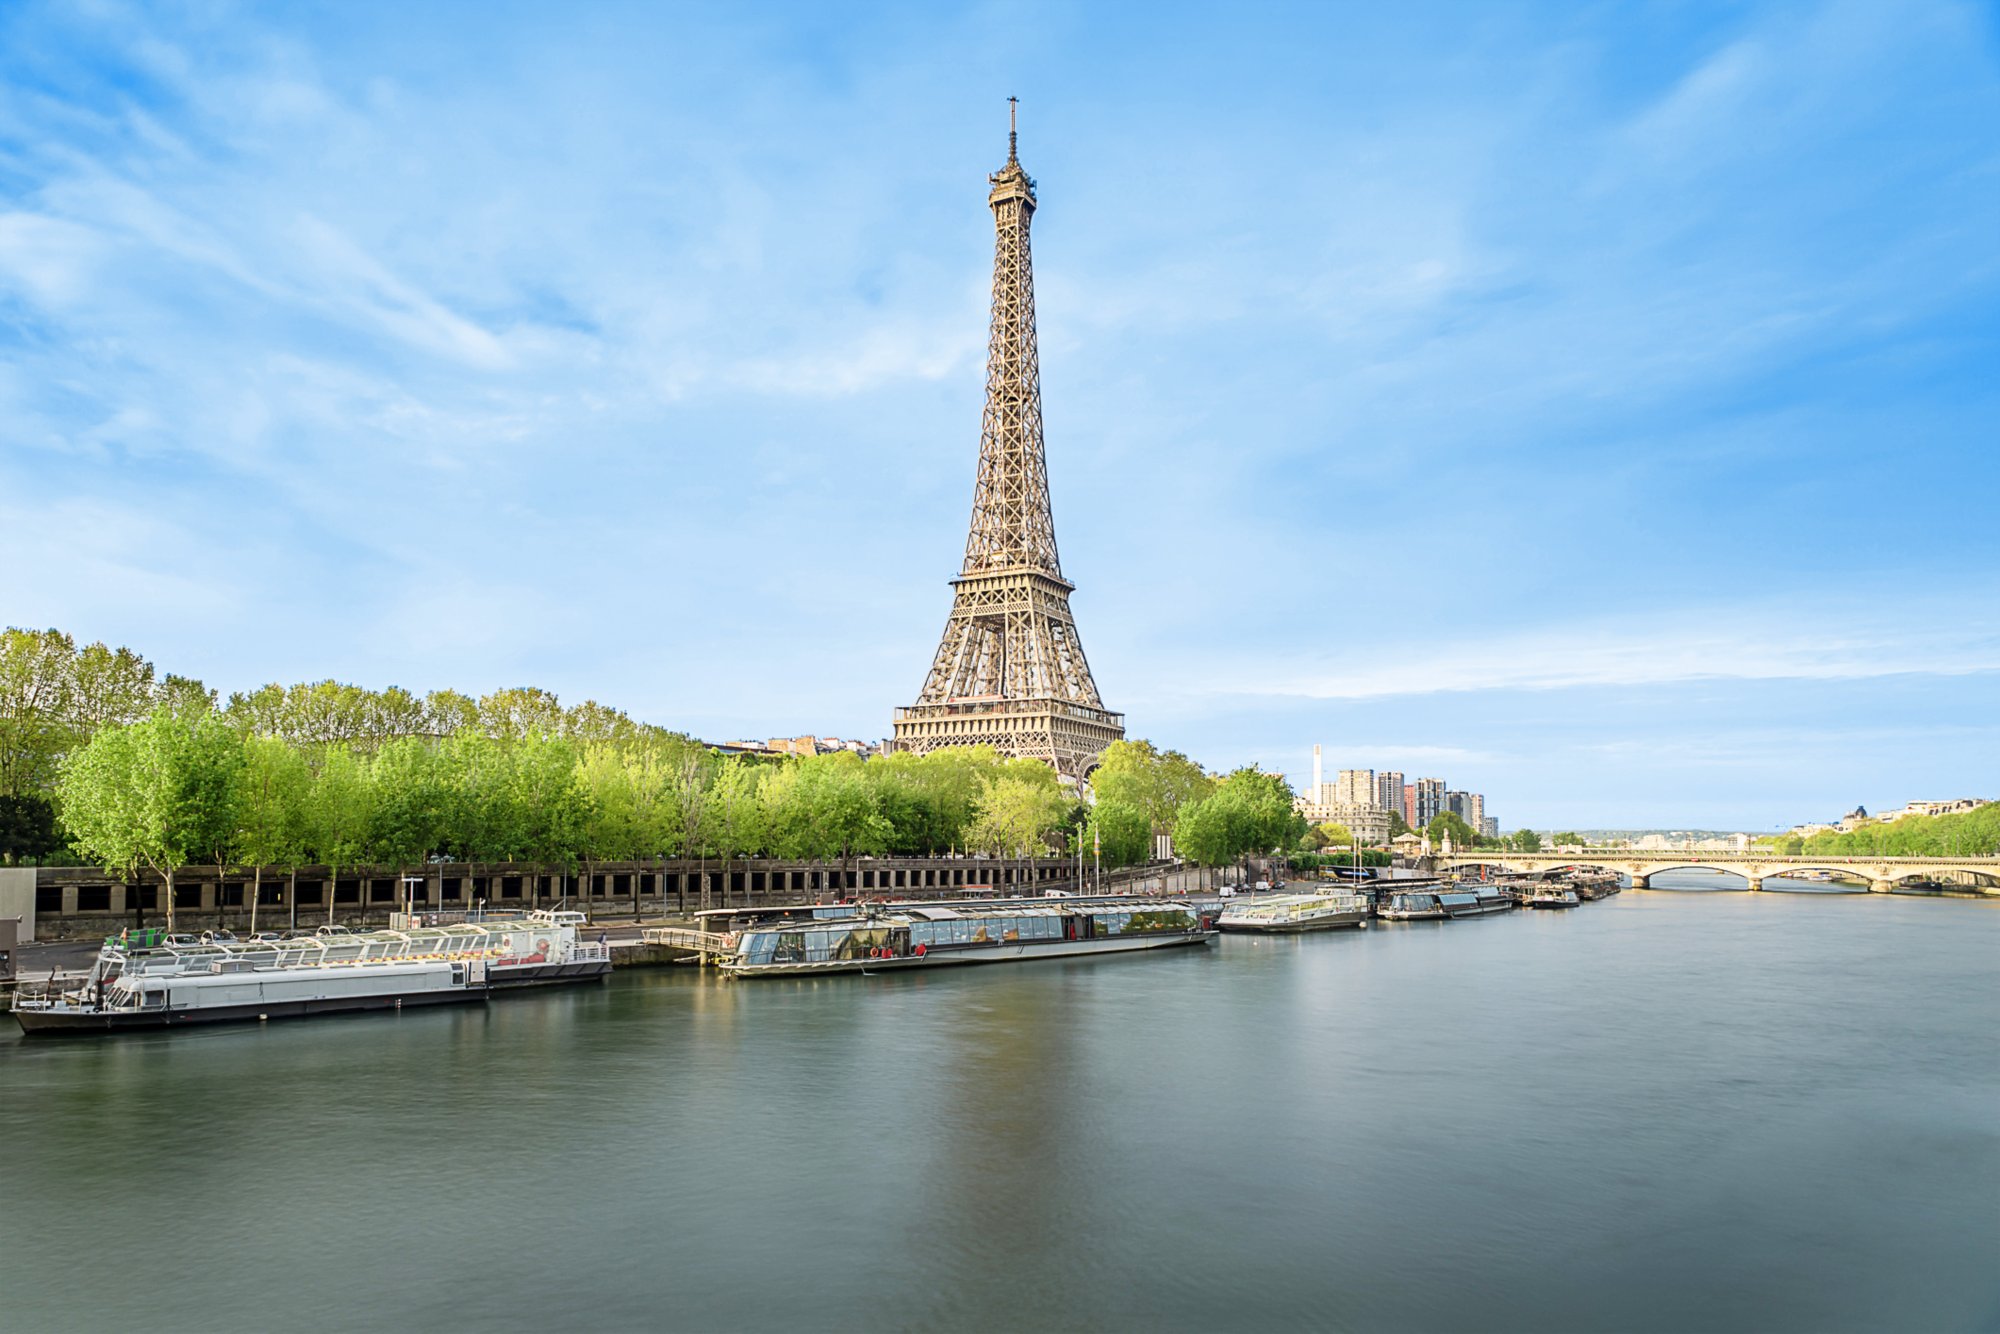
pixel 1728 643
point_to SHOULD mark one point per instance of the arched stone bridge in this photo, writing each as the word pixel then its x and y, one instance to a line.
pixel 1883 874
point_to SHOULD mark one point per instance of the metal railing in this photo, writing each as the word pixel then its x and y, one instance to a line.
pixel 687 938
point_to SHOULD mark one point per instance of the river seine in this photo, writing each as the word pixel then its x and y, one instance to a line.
pixel 1665 1111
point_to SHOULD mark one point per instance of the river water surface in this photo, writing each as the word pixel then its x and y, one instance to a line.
pixel 1664 1111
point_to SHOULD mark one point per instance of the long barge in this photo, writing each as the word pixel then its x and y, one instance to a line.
pixel 1289 914
pixel 893 937
pixel 141 980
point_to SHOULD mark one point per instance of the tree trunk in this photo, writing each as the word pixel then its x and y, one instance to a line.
pixel 292 896
pixel 170 900
pixel 256 892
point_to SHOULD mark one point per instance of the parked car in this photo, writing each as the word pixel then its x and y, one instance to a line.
pixel 218 937
pixel 183 938
pixel 266 938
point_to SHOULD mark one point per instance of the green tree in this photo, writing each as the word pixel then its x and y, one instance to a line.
pixel 1398 826
pixel 611 827
pixel 1213 831
pixel 549 804
pixel 738 827
pixel 1567 839
pixel 824 808
pixel 1018 811
pixel 1526 840
pixel 28 829
pixel 410 804
pixel 1137 773
pixel 34 709
pixel 271 813
pixel 158 793
pixel 515 713
pixel 338 812
pixel 1121 833
pixel 1450 824
pixel 1333 834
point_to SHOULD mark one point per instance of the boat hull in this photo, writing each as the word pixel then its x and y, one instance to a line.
pixel 43 1023
pixel 1482 909
pixel 1330 922
pixel 516 977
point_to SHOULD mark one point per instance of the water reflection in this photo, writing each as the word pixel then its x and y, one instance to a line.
pixel 1533 1121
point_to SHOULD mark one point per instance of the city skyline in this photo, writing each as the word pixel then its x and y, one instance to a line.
pixel 1658 345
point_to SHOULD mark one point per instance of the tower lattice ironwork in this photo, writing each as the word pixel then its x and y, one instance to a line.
pixel 1010 671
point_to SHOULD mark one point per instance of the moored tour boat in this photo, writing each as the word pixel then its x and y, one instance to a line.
pixel 854 938
pixel 1291 913
pixel 140 981
pixel 1552 897
pixel 1476 902
pixel 1411 906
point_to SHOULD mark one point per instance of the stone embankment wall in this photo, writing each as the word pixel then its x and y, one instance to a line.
pixel 77 902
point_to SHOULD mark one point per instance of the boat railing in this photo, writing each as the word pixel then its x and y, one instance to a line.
pixel 51 990
pixel 686 938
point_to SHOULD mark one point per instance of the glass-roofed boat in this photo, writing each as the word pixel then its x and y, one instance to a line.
pixel 1291 913
pixel 879 937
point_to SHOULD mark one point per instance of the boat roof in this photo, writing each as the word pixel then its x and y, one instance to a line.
pixel 458 931
pixel 1004 906
pixel 979 911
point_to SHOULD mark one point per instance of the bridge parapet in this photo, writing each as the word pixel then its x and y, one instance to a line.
pixel 1882 873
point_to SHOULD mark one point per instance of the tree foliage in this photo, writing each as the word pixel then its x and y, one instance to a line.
pixel 1248 813
pixel 160 793
pixel 1138 774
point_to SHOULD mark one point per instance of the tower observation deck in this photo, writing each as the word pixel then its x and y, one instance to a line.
pixel 1010 671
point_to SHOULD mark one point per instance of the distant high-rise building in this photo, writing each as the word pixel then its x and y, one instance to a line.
pixel 1355 787
pixel 1490 826
pixel 1410 804
pixel 1430 801
pixel 1467 806
pixel 1389 791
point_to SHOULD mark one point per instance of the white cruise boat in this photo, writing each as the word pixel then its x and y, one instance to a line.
pixel 140 981
pixel 1290 913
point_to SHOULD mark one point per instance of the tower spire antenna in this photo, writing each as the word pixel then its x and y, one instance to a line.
pixel 1013 129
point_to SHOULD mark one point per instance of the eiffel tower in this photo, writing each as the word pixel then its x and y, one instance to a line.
pixel 1010 672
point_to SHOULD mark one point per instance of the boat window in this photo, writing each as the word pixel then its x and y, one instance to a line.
pixel 790 947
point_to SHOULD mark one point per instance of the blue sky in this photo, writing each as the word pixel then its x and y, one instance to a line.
pixel 1594 405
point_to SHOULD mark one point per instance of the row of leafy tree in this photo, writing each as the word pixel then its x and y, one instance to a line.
pixel 55 695
pixel 105 760
pixel 1973 833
